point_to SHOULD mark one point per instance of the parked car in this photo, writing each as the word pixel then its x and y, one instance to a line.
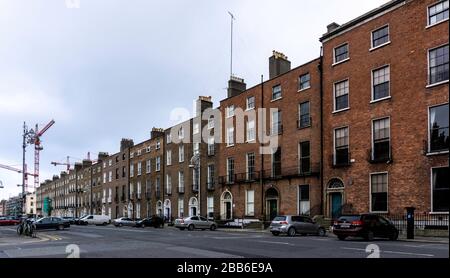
pixel 51 223
pixel 95 220
pixel 77 220
pixel 293 224
pixel 195 222
pixel 154 221
pixel 124 221
pixel 366 225
pixel 71 219
pixel 8 221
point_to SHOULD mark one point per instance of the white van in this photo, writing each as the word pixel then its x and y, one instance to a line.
pixel 93 219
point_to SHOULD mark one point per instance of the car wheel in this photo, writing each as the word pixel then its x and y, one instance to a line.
pixel 276 233
pixel 120 225
pixel 60 227
pixel 342 237
pixel 213 227
pixel 191 227
pixel 369 236
pixel 291 231
pixel 322 232
pixel 394 235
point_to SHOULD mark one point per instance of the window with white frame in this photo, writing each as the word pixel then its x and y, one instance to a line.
pixel 304 82
pixel 276 92
pixel 169 137
pixel 440 189
pixel 168 184
pixel 341 92
pixel 250 203
pixel 148 166
pixel 277 126
pixel 341 53
pixel 158 145
pixel 196 148
pixel 379 192
pixel 381 140
pixel 438 63
pixel 304 115
pixel 438 128
pixel 380 36
pixel 210 209
pixel 138 210
pixel 110 176
pixel 180 182
pixel 304 204
pixel 180 207
pixel 230 136
pixel 250 102
pixel 131 170
pixel 169 157
pixel 139 168
pixel 341 146
pixel 211 146
pixel 438 12
pixel 251 132
pixel 210 176
pixel 158 163
pixel 181 133
pixel 104 177
pixel 250 173
pixel 381 83
pixel 230 111
pixel 210 123
pixel 196 128
pixel 181 153
pixel 230 170
pixel 138 189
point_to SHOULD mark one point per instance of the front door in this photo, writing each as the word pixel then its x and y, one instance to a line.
pixel 336 205
pixel 273 208
pixel 227 210
pixel 193 211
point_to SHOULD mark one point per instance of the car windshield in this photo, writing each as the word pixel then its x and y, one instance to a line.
pixel 349 218
pixel 280 218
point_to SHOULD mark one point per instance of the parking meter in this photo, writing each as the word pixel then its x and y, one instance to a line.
pixel 410 222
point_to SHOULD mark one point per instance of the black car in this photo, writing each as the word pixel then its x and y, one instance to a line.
pixel 51 223
pixel 153 221
pixel 367 226
pixel 70 219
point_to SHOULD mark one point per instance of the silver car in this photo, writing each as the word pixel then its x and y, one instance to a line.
pixel 292 225
pixel 124 221
pixel 195 222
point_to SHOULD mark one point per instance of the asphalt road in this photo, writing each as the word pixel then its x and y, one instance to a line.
pixel 128 242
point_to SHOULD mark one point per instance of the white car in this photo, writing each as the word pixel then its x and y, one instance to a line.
pixel 95 220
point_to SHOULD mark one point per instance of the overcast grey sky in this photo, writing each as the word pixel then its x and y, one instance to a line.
pixel 114 68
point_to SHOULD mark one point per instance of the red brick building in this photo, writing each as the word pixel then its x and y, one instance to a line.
pixel 260 179
pixel 385 110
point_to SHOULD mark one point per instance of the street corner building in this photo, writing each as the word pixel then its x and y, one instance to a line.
pixel 362 128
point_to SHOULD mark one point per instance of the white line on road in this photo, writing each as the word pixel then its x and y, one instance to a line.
pixel 391 252
pixel 276 242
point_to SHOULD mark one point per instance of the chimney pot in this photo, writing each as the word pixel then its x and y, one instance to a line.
pixel 278 64
pixel 332 26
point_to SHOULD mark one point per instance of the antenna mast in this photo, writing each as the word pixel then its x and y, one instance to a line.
pixel 231 58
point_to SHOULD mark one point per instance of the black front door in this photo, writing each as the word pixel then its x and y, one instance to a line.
pixel 228 210
pixel 273 208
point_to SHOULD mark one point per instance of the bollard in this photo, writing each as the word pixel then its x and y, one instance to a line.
pixel 410 222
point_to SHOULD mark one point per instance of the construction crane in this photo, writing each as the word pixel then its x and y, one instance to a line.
pixel 18 171
pixel 37 149
pixel 67 163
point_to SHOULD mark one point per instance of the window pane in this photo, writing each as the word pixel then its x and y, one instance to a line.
pixel 341 53
pixel 379 183
pixel 439 64
pixel 439 129
pixel 304 81
pixel 341 91
pixel 380 36
pixel 440 181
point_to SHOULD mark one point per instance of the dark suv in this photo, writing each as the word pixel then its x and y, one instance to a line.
pixel 367 226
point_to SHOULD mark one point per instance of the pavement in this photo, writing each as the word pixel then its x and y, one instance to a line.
pixel 169 242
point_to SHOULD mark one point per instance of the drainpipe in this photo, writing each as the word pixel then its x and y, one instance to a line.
pixel 261 167
pixel 321 132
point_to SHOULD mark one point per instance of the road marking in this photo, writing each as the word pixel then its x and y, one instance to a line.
pixel 391 252
pixel 276 242
pixel 202 253
pixel 90 235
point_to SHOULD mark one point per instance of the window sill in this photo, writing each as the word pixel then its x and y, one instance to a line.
pixel 340 62
pixel 304 89
pixel 230 146
pixel 437 84
pixel 381 99
pixel 386 211
pixel 437 213
pixel 250 141
pixel 339 111
pixel 277 99
pixel 379 46
pixel 437 23
pixel 249 109
pixel 437 153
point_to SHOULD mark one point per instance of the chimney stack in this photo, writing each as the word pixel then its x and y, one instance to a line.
pixel 156 132
pixel 236 86
pixel 278 64
pixel 102 156
pixel 332 26
pixel 87 163
pixel 203 103
pixel 78 166
pixel 126 143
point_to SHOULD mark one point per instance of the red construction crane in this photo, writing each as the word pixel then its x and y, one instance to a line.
pixel 18 171
pixel 37 149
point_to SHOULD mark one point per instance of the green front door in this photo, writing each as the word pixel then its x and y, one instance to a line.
pixel 273 208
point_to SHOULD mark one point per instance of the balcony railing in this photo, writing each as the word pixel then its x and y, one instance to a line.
pixel 385 157
pixel 342 160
